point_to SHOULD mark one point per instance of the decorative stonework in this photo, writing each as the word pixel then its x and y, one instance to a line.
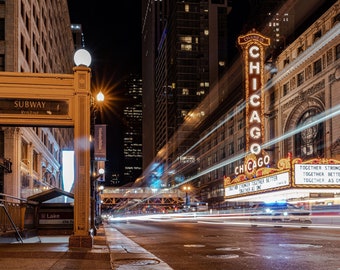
pixel 303 94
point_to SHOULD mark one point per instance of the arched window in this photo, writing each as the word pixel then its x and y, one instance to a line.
pixel 309 143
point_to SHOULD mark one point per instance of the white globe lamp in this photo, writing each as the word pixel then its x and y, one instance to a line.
pixel 82 58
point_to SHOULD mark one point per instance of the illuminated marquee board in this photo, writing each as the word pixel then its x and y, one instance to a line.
pixel 253 45
pixel 272 182
pixel 317 174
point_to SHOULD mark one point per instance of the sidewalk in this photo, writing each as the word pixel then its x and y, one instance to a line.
pixel 111 250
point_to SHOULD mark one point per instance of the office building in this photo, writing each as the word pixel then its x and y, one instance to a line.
pixel 183 57
pixel 133 129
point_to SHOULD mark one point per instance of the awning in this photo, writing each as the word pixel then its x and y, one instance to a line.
pixel 49 195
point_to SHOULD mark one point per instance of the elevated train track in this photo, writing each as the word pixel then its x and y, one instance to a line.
pixel 139 198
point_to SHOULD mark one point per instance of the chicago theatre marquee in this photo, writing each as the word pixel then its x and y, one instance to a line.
pixel 297 156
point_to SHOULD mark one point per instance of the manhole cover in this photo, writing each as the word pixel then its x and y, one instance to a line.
pixel 136 262
pixel 228 248
pixel 225 256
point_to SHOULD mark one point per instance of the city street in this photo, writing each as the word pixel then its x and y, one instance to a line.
pixel 190 244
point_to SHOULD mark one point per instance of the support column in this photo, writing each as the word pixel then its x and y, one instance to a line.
pixel 82 203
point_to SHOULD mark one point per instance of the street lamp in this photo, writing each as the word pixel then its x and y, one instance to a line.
pixel 187 199
pixel 82 58
pixel 97 166
pixel 100 96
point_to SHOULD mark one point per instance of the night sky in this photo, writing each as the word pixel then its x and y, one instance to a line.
pixel 112 34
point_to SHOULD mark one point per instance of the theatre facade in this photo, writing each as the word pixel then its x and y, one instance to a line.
pixel 282 141
pixel 297 153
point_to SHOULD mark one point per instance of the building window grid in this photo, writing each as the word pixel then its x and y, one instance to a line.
pixel 240 123
pixel 240 143
pixel 2 29
pixel 337 52
pixel 24 151
pixel 317 66
pixel 285 89
pixel 300 78
pixel 231 130
pixel 2 62
pixel 231 150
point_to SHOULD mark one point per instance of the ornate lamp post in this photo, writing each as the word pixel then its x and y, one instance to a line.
pixel 97 166
pixel 82 86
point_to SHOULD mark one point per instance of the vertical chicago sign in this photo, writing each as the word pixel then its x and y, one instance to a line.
pixel 253 45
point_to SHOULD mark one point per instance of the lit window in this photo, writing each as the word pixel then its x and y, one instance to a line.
pixel 186 47
pixel 186 43
pixel 185 91
pixel 187 39
pixel 206 32
pixel 186 8
pixel 200 92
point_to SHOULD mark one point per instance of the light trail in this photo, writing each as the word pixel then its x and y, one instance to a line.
pixel 326 115
pixel 236 219
pixel 317 119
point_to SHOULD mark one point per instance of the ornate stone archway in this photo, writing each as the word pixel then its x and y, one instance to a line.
pixel 293 119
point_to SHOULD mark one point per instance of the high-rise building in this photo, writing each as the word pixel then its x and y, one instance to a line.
pixel 133 129
pixel 183 57
pixel 35 37
pixel 78 36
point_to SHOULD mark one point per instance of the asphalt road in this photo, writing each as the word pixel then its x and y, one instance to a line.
pixel 201 245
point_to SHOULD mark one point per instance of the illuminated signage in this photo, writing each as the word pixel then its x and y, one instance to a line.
pixel 33 106
pixel 60 218
pixel 253 45
pixel 251 164
pixel 317 174
pixel 274 181
pixel 100 142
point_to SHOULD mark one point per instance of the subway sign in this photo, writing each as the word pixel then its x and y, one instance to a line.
pixel 33 106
